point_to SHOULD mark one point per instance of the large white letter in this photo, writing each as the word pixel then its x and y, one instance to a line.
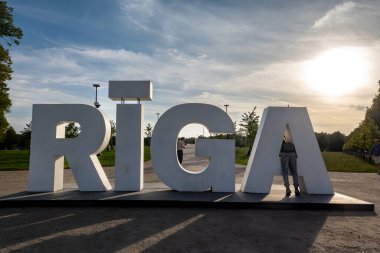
pixel 48 146
pixel 220 173
pixel 264 163
pixel 129 157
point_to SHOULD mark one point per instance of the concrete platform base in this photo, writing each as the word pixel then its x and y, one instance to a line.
pixel 158 195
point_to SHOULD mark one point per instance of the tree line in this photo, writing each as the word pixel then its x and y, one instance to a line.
pixel 10 35
pixel 361 138
pixel 244 136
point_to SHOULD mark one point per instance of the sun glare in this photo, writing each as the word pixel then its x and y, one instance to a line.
pixel 337 72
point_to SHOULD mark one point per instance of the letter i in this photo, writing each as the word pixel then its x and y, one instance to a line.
pixel 129 156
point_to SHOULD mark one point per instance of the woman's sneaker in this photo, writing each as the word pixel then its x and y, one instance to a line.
pixel 297 192
pixel 288 192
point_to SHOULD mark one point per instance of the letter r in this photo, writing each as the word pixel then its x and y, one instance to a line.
pixel 49 146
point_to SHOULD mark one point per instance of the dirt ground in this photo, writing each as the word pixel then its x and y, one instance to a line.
pixel 191 229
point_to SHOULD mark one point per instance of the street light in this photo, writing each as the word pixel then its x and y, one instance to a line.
pixel 227 113
pixel 96 103
pixel 226 107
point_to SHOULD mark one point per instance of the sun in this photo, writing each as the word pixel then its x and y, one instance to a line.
pixel 337 72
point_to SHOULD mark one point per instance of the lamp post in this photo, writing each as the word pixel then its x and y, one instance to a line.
pixel 227 113
pixel 226 108
pixel 96 103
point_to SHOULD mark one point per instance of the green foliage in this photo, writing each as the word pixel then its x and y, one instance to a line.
pixel 5 75
pixel 25 136
pixel 10 139
pixel 240 140
pixel 335 161
pixel 19 159
pixel 336 141
pixel 241 156
pixel 112 141
pixel 190 140
pixel 71 130
pixel 362 136
pixel 341 162
pixel 148 133
pixel 369 129
pixel 11 35
pixel 14 159
pixel 374 111
pixel 148 130
pixel 322 141
pixel 113 128
pixel 249 126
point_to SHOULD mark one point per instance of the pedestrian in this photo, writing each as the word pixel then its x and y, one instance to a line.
pixel 375 154
pixel 288 156
pixel 180 146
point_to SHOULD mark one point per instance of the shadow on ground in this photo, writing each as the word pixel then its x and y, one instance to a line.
pixel 161 230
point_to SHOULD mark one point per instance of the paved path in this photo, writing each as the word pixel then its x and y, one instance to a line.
pixel 191 229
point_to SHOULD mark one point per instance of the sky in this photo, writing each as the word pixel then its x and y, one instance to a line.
pixel 323 55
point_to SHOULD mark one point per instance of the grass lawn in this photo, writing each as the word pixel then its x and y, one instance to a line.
pixel 108 157
pixel 14 159
pixel 341 162
pixel 19 159
pixel 335 161
pixel 240 156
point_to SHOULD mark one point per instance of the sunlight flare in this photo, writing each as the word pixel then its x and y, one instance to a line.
pixel 338 71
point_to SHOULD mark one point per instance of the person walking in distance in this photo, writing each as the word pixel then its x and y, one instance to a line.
pixel 288 156
pixel 180 146
pixel 375 154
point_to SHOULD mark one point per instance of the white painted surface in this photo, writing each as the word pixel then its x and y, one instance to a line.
pixel 129 157
pixel 219 175
pixel 48 146
pixel 130 90
pixel 264 161
pixel 221 168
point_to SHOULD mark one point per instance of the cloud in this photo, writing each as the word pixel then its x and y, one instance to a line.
pixel 139 13
pixel 243 54
pixel 65 75
pixel 358 107
pixel 335 15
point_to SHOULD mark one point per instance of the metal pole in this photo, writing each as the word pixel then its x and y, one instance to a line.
pixel 226 108
pixel 227 113
pixel 96 103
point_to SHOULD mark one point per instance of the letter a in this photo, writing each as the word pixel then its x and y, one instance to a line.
pixel 264 162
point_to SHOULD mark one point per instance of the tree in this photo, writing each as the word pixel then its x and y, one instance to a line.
pixel 9 34
pixel 112 141
pixel 148 133
pixel 71 130
pixel 10 139
pixel 148 130
pixel 25 136
pixel 361 138
pixel 249 126
pixel 322 139
pixel 374 111
pixel 336 141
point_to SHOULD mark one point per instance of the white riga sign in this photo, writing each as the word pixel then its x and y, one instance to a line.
pixel 49 146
